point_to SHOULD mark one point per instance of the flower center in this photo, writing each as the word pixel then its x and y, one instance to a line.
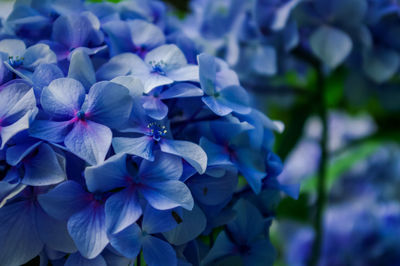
pixel 80 115
pixel 158 67
pixel 15 61
pixel 156 131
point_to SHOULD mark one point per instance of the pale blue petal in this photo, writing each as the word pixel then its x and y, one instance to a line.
pixel 189 151
pixel 63 98
pixel 39 54
pixel 331 45
pixel 76 259
pixel 142 146
pixel 81 69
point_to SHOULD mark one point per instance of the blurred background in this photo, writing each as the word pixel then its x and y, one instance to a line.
pixel 329 70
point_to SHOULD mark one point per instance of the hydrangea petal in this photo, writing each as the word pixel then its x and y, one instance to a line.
pixel 63 98
pixel 51 131
pixel 81 69
pixel 89 141
pixel 189 151
pixel 164 195
pixel 109 104
pixel 142 146
pixel 122 209
pixel 158 252
pixel 88 230
pixel 39 54
pixel 128 241
pixel 77 259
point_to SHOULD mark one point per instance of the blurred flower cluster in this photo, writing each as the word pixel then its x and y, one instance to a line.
pixel 121 142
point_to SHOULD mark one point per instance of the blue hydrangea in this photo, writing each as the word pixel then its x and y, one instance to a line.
pixel 121 140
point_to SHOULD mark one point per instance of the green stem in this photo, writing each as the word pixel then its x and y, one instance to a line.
pixel 322 170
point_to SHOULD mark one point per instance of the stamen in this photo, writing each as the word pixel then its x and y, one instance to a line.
pixel 15 61
pixel 158 67
pixel 156 131
pixel 80 115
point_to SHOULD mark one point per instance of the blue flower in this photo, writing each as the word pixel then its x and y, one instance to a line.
pixel 158 182
pixel 25 228
pixel 223 94
pixel 244 238
pixel 161 66
pixel 84 127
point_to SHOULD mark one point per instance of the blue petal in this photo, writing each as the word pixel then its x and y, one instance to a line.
pixel 331 45
pixel 17 99
pixel 63 98
pixel 107 176
pixel 54 233
pixel 12 47
pixel 192 225
pixel 64 29
pixel 88 230
pixel 164 195
pixel 122 210
pixel 380 64
pixel 156 221
pixel 158 252
pixel 122 65
pixel 128 241
pixel 16 153
pixel 216 154
pixel 181 90
pixel 145 35
pixel 213 190
pixel 171 56
pixel 44 168
pixel 109 104
pixel 119 36
pixel 215 106
pixel 142 147
pixel 39 54
pixel 76 259
pixel 19 238
pixel 252 167
pixel 81 69
pixel 51 131
pixel 248 224
pixel 221 248
pixel 7 132
pixel 236 98
pixel 154 107
pixel 262 253
pixel 207 73
pixel 163 168
pixel 89 141
pixel 134 85
pixel 64 200
pixel 186 73
pixel 189 151
pixel 43 75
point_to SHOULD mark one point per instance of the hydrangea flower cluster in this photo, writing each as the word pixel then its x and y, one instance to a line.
pixel 263 39
pixel 120 141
